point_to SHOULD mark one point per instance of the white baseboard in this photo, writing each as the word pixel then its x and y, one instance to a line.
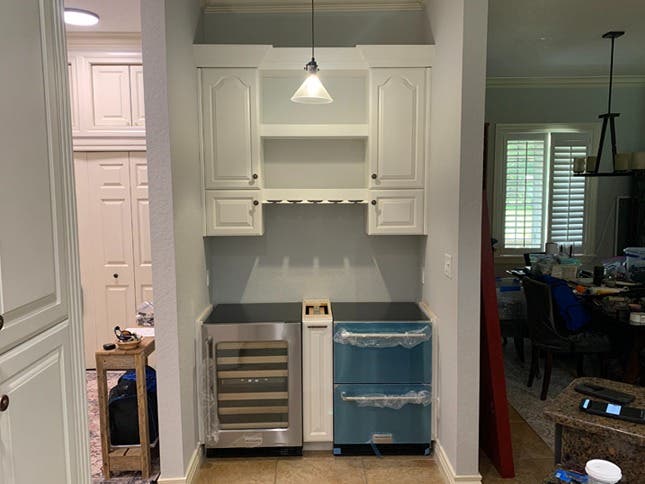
pixel 449 472
pixel 191 472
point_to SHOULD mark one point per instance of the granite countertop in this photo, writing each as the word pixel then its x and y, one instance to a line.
pixel 564 410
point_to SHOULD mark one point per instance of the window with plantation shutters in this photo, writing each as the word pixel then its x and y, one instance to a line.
pixel 567 207
pixel 537 198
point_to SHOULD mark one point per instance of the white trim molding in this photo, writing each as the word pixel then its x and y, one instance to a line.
pixel 303 6
pixel 193 467
pixel 449 472
pixel 560 82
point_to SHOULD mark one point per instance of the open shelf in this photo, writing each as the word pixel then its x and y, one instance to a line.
pixel 314 130
pixel 315 195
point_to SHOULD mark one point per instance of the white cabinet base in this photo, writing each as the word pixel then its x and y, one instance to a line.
pixel 395 212
pixel 233 212
pixel 317 383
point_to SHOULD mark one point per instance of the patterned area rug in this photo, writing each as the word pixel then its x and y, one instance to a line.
pixel 95 438
pixel 527 400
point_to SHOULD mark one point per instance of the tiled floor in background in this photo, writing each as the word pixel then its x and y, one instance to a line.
pixel 319 468
pixel 533 459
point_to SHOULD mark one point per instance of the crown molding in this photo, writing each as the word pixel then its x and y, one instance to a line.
pixel 303 6
pixel 560 82
pixel 104 41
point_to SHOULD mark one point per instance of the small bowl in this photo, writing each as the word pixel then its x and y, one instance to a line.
pixel 128 345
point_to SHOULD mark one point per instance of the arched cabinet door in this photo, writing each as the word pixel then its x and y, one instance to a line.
pixel 397 127
pixel 231 150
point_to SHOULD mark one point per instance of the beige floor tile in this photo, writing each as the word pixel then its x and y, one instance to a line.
pixel 404 475
pixel 238 471
pixel 318 469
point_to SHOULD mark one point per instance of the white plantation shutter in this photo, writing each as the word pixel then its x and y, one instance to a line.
pixel 567 207
pixel 524 206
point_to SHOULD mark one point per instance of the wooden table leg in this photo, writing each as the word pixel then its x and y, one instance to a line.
pixel 102 390
pixel 142 407
pixel 558 444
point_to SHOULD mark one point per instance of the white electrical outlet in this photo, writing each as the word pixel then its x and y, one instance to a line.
pixel 447 265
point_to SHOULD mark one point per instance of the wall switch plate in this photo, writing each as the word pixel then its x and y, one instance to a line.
pixel 447 265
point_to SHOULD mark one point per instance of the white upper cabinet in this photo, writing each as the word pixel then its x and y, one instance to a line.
pixel 396 212
pixel 136 95
pixel 233 212
pixel 230 128
pixel 397 128
pixel 111 106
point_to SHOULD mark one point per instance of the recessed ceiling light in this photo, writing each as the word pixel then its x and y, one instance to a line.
pixel 81 18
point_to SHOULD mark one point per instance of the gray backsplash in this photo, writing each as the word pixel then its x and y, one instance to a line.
pixel 314 251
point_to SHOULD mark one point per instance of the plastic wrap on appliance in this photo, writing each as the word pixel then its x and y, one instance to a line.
pixel 209 403
pixel 395 402
pixel 406 339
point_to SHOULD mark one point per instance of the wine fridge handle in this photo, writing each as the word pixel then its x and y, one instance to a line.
pixel 208 398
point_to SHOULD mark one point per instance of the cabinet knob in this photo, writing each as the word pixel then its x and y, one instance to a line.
pixel 374 176
pixel 1 321
pixel 373 202
pixel 4 403
pixel 255 176
pixel 115 275
pixel 256 203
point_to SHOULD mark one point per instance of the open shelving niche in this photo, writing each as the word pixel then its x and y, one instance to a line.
pixel 314 154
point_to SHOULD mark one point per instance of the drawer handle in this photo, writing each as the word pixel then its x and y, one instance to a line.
pixel 381 400
pixel 319 326
pixel 407 339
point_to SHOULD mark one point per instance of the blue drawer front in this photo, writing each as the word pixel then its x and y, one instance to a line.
pixel 356 360
pixel 356 421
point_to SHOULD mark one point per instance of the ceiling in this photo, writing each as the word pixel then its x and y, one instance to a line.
pixel 114 15
pixel 561 38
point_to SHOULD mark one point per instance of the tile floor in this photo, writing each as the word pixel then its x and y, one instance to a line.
pixel 532 457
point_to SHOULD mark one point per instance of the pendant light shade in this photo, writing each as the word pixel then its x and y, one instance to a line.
pixel 312 90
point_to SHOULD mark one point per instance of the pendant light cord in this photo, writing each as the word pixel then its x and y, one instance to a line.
pixel 611 74
pixel 312 29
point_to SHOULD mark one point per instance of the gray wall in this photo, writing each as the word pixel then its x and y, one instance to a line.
pixel 314 251
pixel 332 29
pixel 576 105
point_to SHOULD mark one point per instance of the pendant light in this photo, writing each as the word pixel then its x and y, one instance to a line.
pixel 312 90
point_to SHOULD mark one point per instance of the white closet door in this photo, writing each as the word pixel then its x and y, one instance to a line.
pixel 111 226
pixel 141 227
pixel 111 106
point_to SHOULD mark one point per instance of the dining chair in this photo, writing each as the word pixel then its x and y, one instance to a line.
pixel 546 337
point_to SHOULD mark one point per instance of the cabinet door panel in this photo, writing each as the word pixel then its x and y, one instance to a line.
pixel 398 128
pixel 136 90
pixel 317 382
pixel 233 213
pixel 111 96
pixel 396 212
pixel 229 116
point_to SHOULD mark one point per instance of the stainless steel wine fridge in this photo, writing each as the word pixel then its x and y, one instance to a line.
pixel 253 388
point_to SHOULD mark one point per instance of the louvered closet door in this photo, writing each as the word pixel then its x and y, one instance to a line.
pixel 568 193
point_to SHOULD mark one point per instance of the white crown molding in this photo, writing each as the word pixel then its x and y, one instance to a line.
pixel 104 41
pixel 299 6
pixel 560 82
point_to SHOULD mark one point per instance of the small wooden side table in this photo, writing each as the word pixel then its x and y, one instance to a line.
pixel 134 458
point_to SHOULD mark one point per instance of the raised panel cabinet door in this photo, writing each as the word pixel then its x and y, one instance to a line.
pixel 233 212
pixel 141 227
pixel 397 128
pixel 136 95
pixel 230 128
pixel 111 107
pixel 34 424
pixel 73 95
pixel 110 208
pixel 395 212
pixel 317 382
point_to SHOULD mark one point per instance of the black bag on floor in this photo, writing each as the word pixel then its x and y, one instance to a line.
pixel 122 404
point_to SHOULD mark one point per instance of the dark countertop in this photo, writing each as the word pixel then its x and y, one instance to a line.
pixel 256 313
pixel 377 311
pixel 292 312
pixel 564 410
